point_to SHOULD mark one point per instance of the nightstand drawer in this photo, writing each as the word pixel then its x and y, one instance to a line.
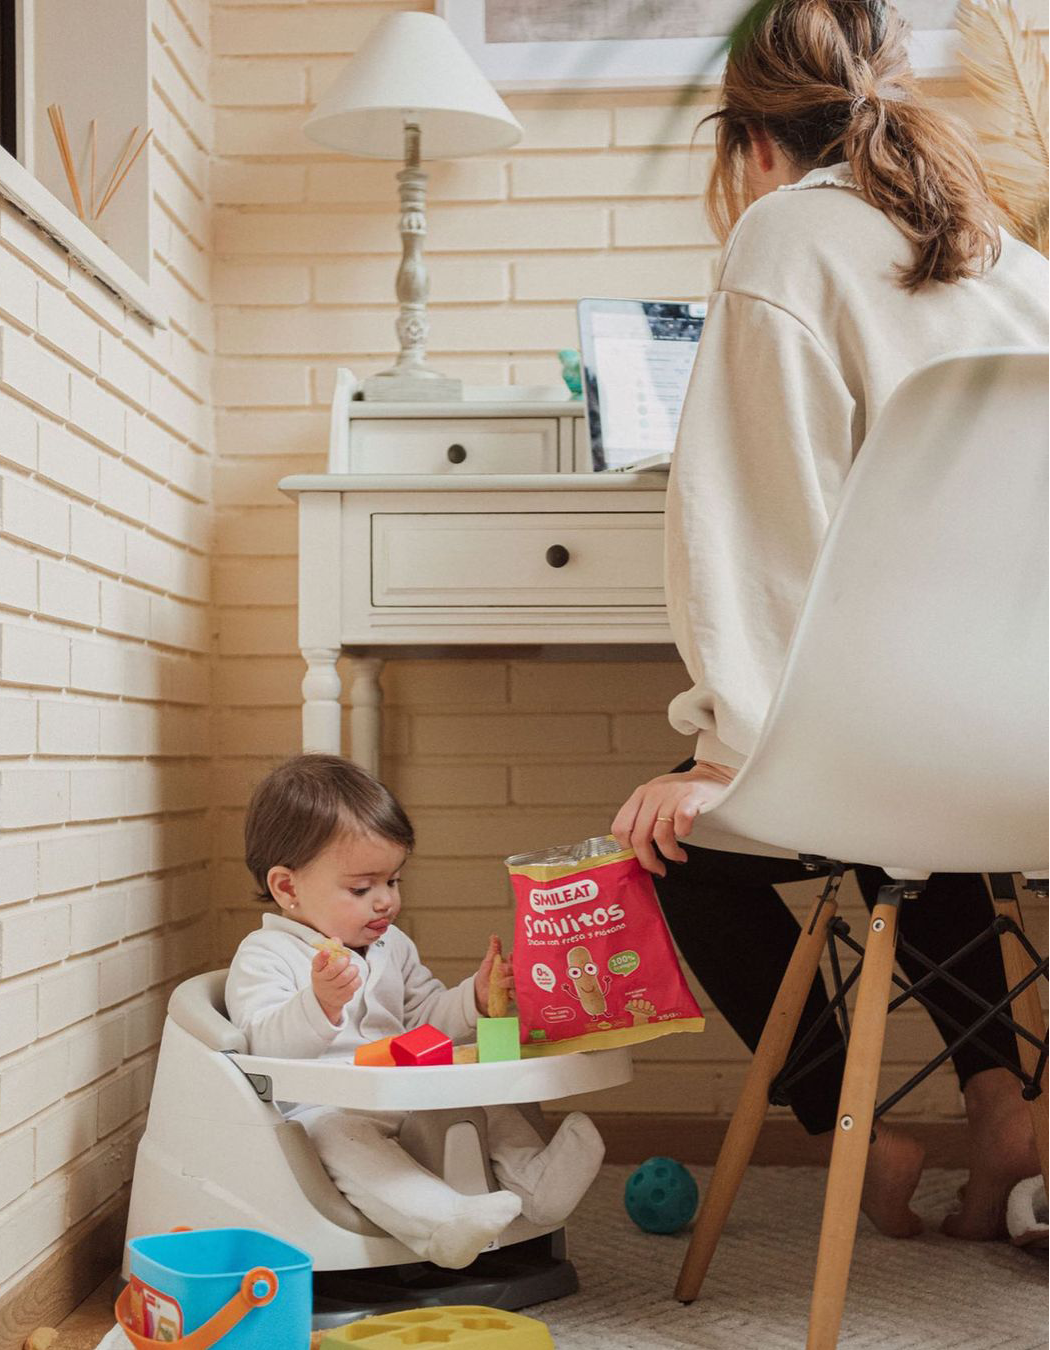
pixel 609 559
pixel 447 446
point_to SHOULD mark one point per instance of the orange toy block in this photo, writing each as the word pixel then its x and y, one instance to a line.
pixel 375 1054
pixel 425 1045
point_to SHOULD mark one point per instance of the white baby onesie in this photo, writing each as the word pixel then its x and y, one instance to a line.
pixel 270 998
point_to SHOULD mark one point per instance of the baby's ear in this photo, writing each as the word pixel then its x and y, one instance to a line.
pixel 281 884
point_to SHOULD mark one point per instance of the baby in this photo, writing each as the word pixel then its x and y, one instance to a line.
pixel 327 842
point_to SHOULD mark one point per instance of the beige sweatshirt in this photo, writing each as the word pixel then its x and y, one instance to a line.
pixel 807 334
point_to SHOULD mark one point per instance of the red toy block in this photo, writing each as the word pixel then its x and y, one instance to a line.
pixel 424 1045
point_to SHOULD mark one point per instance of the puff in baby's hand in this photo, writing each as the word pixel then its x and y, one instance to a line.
pixel 334 978
pixel 494 982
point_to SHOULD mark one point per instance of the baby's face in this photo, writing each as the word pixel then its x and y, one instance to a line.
pixel 349 891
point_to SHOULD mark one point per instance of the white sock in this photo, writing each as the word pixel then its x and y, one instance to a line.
pixel 483 1217
pixel 551 1180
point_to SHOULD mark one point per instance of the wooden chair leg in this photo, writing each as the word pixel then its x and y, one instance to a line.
pixel 743 1131
pixel 1027 1011
pixel 849 1155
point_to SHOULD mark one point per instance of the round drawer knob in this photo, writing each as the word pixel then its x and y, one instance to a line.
pixel 557 555
pixel 456 454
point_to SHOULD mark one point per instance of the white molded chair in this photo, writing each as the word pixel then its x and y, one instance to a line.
pixel 217 1152
pixel 909 732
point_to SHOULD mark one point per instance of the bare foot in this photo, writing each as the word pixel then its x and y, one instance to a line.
pixel 894 1166
pixel 1002 1152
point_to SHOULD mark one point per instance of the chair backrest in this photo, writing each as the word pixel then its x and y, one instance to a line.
pixel 198 1005
pixel 909 729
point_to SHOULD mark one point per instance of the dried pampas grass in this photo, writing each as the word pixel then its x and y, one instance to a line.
pixel 1006 70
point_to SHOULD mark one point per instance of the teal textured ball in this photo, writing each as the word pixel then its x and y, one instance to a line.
pixel 661 1196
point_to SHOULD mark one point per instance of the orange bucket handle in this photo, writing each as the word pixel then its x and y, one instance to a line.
pixel 249 1296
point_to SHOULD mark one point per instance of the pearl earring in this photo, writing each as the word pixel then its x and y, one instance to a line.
pixel 294 904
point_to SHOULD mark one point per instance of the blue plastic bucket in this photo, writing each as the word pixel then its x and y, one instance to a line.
pixel 233 1287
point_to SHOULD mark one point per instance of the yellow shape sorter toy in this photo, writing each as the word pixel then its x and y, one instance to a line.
pixel 466 1328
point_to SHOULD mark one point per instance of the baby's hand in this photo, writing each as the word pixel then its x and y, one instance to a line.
pixel 335 980
pixel 494 982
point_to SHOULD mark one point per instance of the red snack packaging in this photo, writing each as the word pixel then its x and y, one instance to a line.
pixel 593 961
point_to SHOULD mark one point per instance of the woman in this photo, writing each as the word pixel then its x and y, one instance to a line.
pixel 867 248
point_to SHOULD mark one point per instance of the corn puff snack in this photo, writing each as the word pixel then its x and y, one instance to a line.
pixel 499 996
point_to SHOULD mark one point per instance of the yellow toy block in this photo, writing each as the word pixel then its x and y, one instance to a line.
pixel 465 1328
pixel 376 1054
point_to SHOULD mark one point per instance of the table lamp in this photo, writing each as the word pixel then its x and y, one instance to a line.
pixel 412 91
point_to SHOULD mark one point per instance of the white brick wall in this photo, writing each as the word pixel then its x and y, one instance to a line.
pixel 105 504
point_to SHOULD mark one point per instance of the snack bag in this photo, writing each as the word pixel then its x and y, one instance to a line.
pixel 593 960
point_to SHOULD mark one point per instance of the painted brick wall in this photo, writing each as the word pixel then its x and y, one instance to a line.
pixel 105 506
pixel 491 756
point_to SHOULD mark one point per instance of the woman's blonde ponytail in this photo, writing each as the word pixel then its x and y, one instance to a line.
pixel 829 81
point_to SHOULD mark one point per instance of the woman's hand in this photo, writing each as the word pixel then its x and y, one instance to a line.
pixel 335 980
pixel 664 809
pixel 483 978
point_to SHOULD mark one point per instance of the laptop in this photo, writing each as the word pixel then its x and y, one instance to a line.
pixel 636 359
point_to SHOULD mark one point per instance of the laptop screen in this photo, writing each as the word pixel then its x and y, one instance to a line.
pixel 637 357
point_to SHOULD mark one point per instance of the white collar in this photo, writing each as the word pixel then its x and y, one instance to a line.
pixel 831 175
pixel 284 924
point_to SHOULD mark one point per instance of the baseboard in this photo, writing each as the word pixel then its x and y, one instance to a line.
pixel 697 1139
pixel 50 1292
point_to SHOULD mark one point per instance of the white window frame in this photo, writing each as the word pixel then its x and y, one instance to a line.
pixel 620 63
pixel 20 185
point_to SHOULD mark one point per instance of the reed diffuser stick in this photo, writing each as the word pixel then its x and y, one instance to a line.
pixel 63 149
pixel 94 152
pixel 58 126
pixel 110 192
pixel 69 156
pixel 52 115
pixel 120 164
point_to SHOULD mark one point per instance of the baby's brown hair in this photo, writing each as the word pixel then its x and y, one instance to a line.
pixel 301 804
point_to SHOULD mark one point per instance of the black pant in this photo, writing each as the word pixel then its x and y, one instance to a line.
pixel 738 935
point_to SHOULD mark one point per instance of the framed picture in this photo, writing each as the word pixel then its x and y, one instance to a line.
pixel 630 44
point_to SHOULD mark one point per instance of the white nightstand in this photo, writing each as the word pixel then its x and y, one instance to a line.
pixel 460 525
pixel 497 430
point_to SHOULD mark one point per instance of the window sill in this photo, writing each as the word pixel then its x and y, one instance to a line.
pixel 19 186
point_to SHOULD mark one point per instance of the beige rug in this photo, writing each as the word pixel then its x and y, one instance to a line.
pixel 930 1293
pixel 926 1294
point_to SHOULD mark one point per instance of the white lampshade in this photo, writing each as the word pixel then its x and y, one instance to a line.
pixel 412 67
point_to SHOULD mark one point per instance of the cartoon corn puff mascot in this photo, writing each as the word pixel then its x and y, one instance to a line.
pixel 585 986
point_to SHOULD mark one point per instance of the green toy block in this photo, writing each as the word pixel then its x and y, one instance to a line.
pixel 498 1038
pixel 466 1328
